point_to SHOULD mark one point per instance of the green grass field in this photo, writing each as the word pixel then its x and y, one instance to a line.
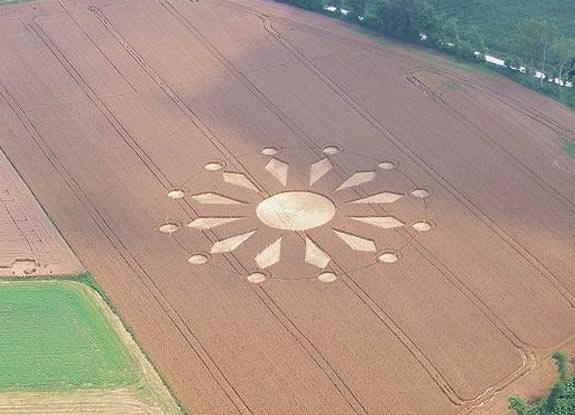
pixel 496 19
pixel 8 2
pixel 53 336
pixel 569 147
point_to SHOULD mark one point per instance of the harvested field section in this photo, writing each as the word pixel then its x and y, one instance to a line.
pixel 29 242
pixel 288 224
pixel 121 402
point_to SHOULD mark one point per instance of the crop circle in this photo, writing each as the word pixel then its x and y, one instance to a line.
pixel 331 150
pixel 257 277
pixel 296 211
pixel 168 228
pixel 269 151
pixel 387 165
pixel 420 193
pixel 176 194
pixel 214 166
pixel 422 226
pixel 198 259
pixel 327 277
pixel 388 257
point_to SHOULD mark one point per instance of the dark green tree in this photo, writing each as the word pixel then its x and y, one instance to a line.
pixel 356 7
pixel 518 405
pixel 448 29
pixel 338 4
pixel 534 40
pixel 564 52
pixel 562 361
pixel 474 38
pixel 406 19
pixel 554 400
pixel 570 70
pixel 315 5
pixel 561 398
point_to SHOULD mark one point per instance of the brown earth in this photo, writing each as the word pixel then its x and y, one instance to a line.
pixel 443 278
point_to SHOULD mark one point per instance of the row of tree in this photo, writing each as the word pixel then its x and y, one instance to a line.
pixel 540 45
pixel 410 19
pixel 561 399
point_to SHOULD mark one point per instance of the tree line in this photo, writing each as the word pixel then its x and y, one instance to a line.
pixel 539 45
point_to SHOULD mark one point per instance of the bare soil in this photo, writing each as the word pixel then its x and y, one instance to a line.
pixel 109 109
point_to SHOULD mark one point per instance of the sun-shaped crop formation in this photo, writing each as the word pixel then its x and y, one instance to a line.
pixel 301 213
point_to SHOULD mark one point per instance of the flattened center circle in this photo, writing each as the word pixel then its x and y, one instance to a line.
pixel 296 211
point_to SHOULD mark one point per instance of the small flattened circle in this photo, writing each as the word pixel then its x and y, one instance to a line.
pixel 168 228
pixel 388 257
pixel 331 150
pixel 198 259
pixel 269 151
pixel 214 166
pixel 387 165
pixel 422 226
pixel 176 194
pixel 420 193
pixel 327 277
pixel 257 277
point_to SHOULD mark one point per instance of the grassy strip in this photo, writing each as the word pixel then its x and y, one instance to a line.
pixel 53 337
pixel 10 2
pixel 569 147
pixel 87 279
